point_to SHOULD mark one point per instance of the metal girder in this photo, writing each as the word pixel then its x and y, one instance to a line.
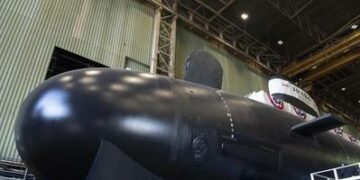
pixel 333 65
pixel 302 8
pixel 240 42
pixel 245 42
pixel 329 88
pixel 330 40
pixel 163 53
pixel 346 43
pixel 226 32
pixel 293 13
pixel 226 5
pixel 344 81
pixel 329 91
pixel 155 41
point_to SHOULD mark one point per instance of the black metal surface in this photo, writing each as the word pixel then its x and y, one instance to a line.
pixel 175 129
pixel 318 125
pixel 203 68
pixel 111 163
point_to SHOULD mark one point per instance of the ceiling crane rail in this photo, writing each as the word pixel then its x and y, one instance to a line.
pixel 332 65
pixel 330 40
pixel 346 43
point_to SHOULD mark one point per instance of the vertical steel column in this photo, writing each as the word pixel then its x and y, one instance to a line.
pixel 155 42
pixel 173 43
pixel 336 174
pixel 163 61
pixel 312 176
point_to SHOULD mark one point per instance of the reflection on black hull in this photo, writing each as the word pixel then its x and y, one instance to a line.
pixel 175 129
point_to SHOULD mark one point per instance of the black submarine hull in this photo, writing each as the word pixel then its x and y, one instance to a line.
pixel 173 128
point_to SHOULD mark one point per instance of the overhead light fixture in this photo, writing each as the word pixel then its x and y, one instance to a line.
pixel 359 101
pixel 343 89
pixel 354 26
pixel 280 42
pixel 314 67
pixel 244 16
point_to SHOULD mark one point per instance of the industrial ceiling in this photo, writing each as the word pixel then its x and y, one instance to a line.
pixel 314 43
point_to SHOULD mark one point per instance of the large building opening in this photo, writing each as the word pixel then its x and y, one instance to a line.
pixel 63 61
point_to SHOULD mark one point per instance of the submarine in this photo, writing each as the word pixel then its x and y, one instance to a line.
pixel 101 123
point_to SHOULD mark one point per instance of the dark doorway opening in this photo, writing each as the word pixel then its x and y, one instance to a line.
pixel 63 61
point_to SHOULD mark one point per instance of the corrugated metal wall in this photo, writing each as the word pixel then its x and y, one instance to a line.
pixel 238 77
pixel 134 65
pixel 102 30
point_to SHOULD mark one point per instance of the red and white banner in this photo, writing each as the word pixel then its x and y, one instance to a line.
pixel 265 98
pixel 292 94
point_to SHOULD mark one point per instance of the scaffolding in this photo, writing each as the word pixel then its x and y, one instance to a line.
pixel 209 21
pixel 163 60
pixel 296 15
pixel 14 171
pixel 348 172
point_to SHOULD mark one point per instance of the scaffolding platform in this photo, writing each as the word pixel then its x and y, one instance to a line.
pixel 14 171
pixel 348 172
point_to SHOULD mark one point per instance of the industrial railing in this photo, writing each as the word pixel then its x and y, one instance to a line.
pixel 348 172
pixel 14 171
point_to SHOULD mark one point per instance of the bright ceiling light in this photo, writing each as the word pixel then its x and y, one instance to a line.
pixel 343 89
pixel 359 101
pixel 244 16
pixel 354 26
pixel 280 42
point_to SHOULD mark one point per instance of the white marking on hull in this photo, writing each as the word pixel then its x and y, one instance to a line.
pixel 228 113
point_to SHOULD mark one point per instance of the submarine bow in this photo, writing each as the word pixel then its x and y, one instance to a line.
pixel 173 128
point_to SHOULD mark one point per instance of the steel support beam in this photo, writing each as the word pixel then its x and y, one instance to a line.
pixel 252 51
pixel 339 106
pixel 342 82
pixel 155 41
pixel 302 8
pixel 330 40
pixel 333 65
pixel 347 43
pixel 164 39
pixel 289 10
pixel 250 45
pixel 171 72
pixel 237 40
pixel 221 10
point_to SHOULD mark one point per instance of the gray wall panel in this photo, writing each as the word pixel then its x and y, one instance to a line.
pixel 103 30
pixel 238 78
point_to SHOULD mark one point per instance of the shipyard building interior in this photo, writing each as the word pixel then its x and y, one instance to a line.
pixel 180 89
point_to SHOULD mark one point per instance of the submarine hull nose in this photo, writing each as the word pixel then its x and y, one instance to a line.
pixel 61 123
pixel 172 128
